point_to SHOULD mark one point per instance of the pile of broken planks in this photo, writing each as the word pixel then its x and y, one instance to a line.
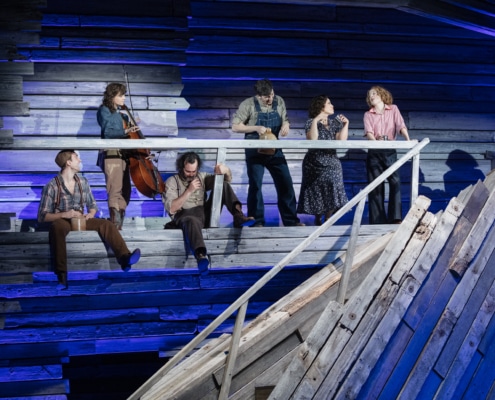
pixel 417 322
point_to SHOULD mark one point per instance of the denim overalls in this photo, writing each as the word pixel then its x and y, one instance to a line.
pixel 276 165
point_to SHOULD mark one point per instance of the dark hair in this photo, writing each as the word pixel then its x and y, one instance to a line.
pixel 187 158
pixel 263 87
pixel 317 105
pixel 112 90
pixel 385 95
pixel 62 157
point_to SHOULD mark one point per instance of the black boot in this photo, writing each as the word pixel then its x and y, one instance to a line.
pixel 203 260
pixel 62 280
pixel 122 215
pixel 127 260
pixel 115 218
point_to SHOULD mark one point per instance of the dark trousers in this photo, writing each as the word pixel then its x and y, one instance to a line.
pixel 286 198
pixel 193 220
pixel 377 162
pixel 61 228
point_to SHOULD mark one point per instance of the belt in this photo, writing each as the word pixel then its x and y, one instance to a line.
pixel 114 153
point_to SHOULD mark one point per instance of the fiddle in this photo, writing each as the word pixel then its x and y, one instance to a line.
pixel 143 171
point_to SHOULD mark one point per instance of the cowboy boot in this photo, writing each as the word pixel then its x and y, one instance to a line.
pixel 115 218
pixel 122 215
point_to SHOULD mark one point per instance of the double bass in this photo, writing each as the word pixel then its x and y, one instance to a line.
pixel 143 171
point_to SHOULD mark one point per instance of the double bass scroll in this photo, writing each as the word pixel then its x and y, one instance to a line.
pixel 144 173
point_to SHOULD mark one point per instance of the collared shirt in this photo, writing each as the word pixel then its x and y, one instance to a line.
pixel 175 186
pixel 246 113
pixel 387 124
pixel 66 200
pixel 111 123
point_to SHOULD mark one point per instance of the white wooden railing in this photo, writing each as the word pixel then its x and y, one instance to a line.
pixel 221 146
pixel 414 148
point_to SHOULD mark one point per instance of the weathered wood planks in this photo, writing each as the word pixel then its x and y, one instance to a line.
pixel 27 253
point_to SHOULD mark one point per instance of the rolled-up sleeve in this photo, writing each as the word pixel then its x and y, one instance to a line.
pixel 171 193
pixel 244 113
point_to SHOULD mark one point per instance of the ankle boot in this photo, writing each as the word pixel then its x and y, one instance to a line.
pixel 115 218
pixel 328 214
pixel 122 215
pixel 62 280
pixel 317 219
pixel 239 218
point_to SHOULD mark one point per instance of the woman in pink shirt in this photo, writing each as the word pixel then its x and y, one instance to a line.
pixel 383 121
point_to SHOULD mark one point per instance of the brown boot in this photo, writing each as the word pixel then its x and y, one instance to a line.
pixel 115 218
pixel 239 218
pixel 122 215
pixel 62 280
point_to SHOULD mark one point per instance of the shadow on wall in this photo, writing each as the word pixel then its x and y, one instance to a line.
pixel 463 171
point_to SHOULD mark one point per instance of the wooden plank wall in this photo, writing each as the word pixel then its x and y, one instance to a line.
pixel 188 75
pixel 189 65
pixel 79 52
pixel 342 51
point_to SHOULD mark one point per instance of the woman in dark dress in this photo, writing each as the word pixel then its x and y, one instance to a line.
pixel 322 189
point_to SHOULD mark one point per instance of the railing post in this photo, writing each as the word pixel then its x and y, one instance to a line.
pixel 414 180
pixel 233 350
pixel 349 255
pixel 216 204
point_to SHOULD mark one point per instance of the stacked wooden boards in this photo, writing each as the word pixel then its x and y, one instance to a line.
pixel 419 325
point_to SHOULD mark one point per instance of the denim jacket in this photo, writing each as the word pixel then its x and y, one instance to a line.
pixel 111 123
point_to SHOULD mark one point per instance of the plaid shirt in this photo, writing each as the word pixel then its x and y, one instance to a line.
pixel 66 200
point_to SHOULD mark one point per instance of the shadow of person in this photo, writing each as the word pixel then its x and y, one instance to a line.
pixel 438 197
pixel 464 171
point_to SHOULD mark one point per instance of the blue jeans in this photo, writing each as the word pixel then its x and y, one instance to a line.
pixel 286 198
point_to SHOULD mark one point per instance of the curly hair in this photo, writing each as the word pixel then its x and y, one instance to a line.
pixel 385 95
pixel 112 90
pixel 263 87
pixel 317 105
pixel 187 158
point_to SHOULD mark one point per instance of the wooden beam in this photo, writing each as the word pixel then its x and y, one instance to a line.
pixel 16 68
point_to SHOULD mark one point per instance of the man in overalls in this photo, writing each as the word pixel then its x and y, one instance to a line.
pixel 254 116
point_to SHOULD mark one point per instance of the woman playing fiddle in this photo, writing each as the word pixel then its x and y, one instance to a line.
pixel 115 125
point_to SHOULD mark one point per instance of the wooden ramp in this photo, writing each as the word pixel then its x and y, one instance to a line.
pixel 419 324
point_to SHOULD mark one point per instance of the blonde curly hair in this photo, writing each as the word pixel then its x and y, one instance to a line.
pixel 384 94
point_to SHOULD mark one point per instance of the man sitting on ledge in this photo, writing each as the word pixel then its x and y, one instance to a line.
pixel 63 199
pixel 184 200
